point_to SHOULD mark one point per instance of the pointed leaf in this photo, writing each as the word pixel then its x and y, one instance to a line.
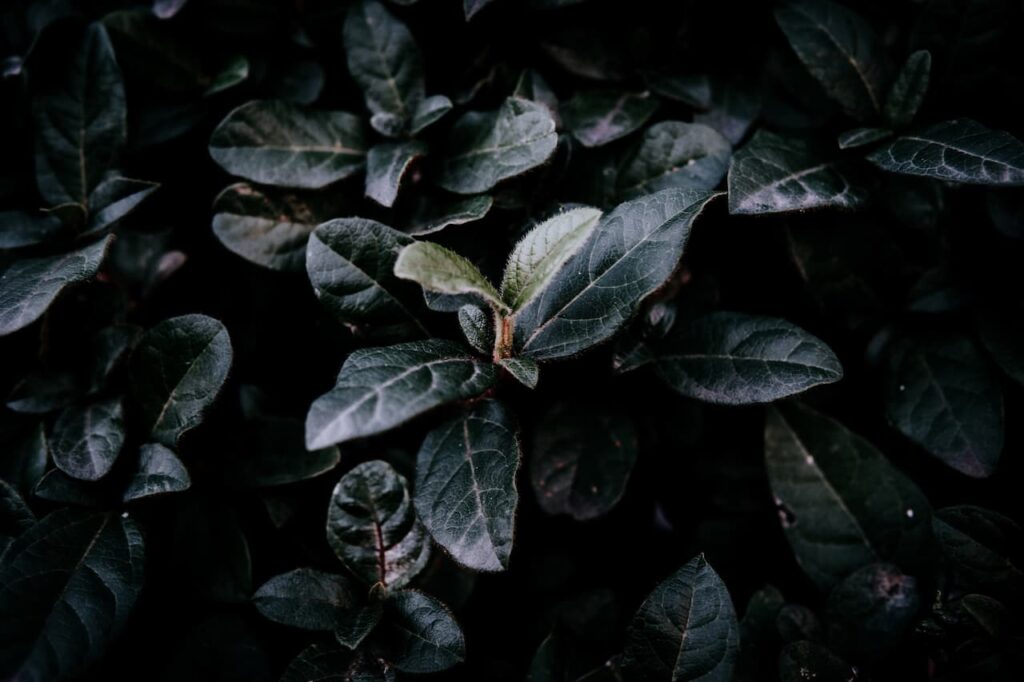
pixel 801 661
pixel 419 635
pixel 908 90
pixel 115 198
pixel 353 626
pixel 674 154
pixel 428 112
pixel 87 440
pixel 523 370
pixel 386 164
pixel 304 598
pixel 437 269
pixel 478 327
pixel 159 472
pixel 598 117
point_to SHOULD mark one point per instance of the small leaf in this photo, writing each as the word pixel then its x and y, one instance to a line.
pixel 982 549
pixel 353 626
pixel 471 7
pixel 177 370
pixel 419 635
pixel 437 269
pixel 115 198
pixel 465 486
pixel 439 214
pixel 737 359
pixel 908 90
pixel 304 598
pixel 386 164
pixel 674 154
pixel 87 440
pixel 870 611
pixel 428 112
pixel 276 143
pixel 861 137
pixel 598 117
pixel 478 327
pixel 685 630
pixel 234 71
pixel 372 526
pixel 159 472
pixel 523 370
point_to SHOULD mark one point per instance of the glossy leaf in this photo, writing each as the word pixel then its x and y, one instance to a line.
pixel 441 271
pixel 908 90
pixel 304 598
pixel 674 154
pixel 598 117
pixel 86 440
pixel 419 635
pixel 386 164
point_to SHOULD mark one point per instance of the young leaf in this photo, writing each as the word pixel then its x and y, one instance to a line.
pixel 961 150
pixel 276 143
pixel 598 117
pixel 841 504
pixel 177 371
pixel 869 612
pixel 982 549
pixel 630 253
pixel 941 393
pixel 774 174
pixel 159 472
pixel 908 90
pixel 87 440
pixel 372 526
pixel 478 327
pixel 385 165
pixel 30 285
pixel 685 630
pixel 1002 335
pixel 485 148
pixel 861 137
pixel 437 269
pixel 674 154
pixel 353 626
pixel 304 598
pixel 523 370
pixel 69 584
pixel 466 486
pixel 738 359
pixel 418 634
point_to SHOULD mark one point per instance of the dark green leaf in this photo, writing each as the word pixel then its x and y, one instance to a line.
pixel 419 635
pixel 861 137
pixel 471 7
pixel 674 154
pixel 869 611
pixel 598 117
pixel 442 271
pixel 15 516
pixel 478 327
pixel 110 347
pixel 429 111
pixel 441 213
pixel 86 440
pixel 159 471
pixel 45 390
pixel 235 70
pixel 56 486
pixel 385 165
pixel 732 109
pixel 275 454
pixel 802 661
pixel 19 229
pixel 523 370
pixel 23 458
pixel 908 90
pixel 330 662
pixel 353 626
pixel 304 598
pixel 114 199
pixel 211 551
pixel 983 550
pixel 1002 334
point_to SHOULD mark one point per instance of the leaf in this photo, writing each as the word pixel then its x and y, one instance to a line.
pixel 685 630
pixel 114 199
pixel 908 90
pixel 801 661
pixel 870 611
pixel 386 164
pixel 19 229
pixel 466 486
pixel 233 71
pixel 738 359
pixel 159 472
pixel 177 370
pixel 275 454
pixel 633 251
pixel 439 214
pixel 861 137
pixel 428 112
pixel 86 440
pixel 961 150
pixel 485 148
pixel 110 347
pixel 841 504
pixel 598 117
pixel 581 462
pixel 478 328
pixel 79 120
pixel 537 258
pixel 353 626
pixel 384 60
pixel 276 143
pixel 437 269
pixel 982 549
pixel 523 370
pixel 372 526
pixel 304 598
pixel 674 154
pixel 30 285
pixel 69 584
pixel 330 662
pixel 471 7
pixel 1002 335
pixel 841 51
pixel 269 226
pixel 419 635
pixel 732 109
pixel 15 516
pixel 56 486
pixel 941 394
pixel 774 174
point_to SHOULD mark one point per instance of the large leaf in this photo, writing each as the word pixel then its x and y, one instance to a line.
pixel 372 526
pixel 86 440
pixel 67 586
pixel 79 120
pixel 961 150
pixel 466 486
pixel 773 174
pixel 485 148
pixel 304 598
pixel 674 154
pixel 386 164
pixel 276 143
pixel 737 359
pixel 380 388
pixel 419 635
pixel 983 549
pixel 158 472
pixel 633 251
pixel 598 117
pixel 177 371
pixel 441 271
pixel 28 286
pixel 841 504
pixel 685 630
pixel 941 393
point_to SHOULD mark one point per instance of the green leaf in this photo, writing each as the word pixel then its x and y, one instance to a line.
pixel 478 327
pixel 19 229
pixel 372 526
pixel 269 226
pixel 177 370
pixel 982 549
pixel 110 348
pixel 79 120
pixel 466 486
pixel 738 359
pixel 941 393
pixel 633 251
pixel 30 285
pixel 861 137
pixel 419 635
pixel 732 109
pixel 581 462
pixel 69 584
pixel 440 213
pixel 537 258
pixel 674 154
pixel 685 630
pixel 56 486
pixel 437 269
pixel 841 504
pixel 159 471
pixel 801 661
pixel 234 71
pixel 428 112
pixel 908 90
pixel 485 148
pixel 841 51
pixel 386 164
pixel 774 174
pixel 471 7
pixel 523 370
pixel 353 626
pixel 961 150
pixel 115 198
pixel 598 117
pixel 304 598
pixel 870 611
pixel 275 454
pixel 276 143
pixel 86 440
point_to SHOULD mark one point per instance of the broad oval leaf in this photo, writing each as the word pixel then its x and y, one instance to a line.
pixel 870 610
pixel 372 526
pixel 158 472
pixel 418 634
pixel 466 486
pixel 380 388
pixel 86 440
pixel 841 504
pixel 983 549
pixel 304 598
pixel 598 117
pixel 277 143
pixel 908 90
pixel 386 164
pixel 67 586
pixel 737 359
pixel 674 154
pixel 442 271
pixel 177 370
pixel 685 630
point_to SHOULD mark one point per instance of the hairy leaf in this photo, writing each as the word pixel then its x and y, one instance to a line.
pixel 674 154
pixel 86 440
pixel 385 165
pixel 441 271
pixel 598 117
pixel 419 635
pixel 304 598
pixel 478 328
pixel 523 370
